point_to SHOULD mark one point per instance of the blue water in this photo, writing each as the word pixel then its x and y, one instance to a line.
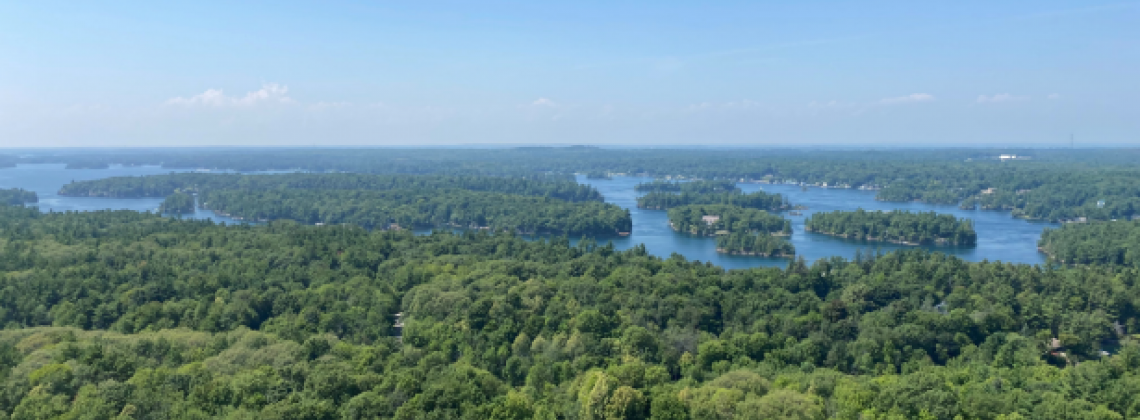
pixel 1000 237
pixel 47 179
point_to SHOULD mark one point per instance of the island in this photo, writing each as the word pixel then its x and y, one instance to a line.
pixel 663 200
pixel 739 230
pixel 525 206
pixel 758 244
pixel 897 226
pixel 698 187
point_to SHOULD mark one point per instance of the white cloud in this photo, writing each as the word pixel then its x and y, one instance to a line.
pixel 912 98
pixel 543 102
pixel 269 93
pixel 1000 97
pixel 1054 96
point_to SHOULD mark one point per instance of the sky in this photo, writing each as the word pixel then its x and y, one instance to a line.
pixel 652 73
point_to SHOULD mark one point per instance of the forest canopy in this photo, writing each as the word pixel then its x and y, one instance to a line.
pixel 125 314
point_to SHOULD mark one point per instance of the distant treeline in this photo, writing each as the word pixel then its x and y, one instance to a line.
pixel 1100 195
pixel 1094 243
pixel 894 226
pixel 17 196
pixel 163 185
pixel 422 208
pixel 1050 185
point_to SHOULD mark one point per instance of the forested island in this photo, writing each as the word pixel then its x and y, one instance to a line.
pixel 712 218
pixel 17 197
pixel 177 203
pixel 759 244
pixel 164 185
pixel 406 209
pixel 894 226
pixel 1116 243
pixel 695 187
pixel 658 200
pixel 527 206
pixel 739 230
pixel 131 315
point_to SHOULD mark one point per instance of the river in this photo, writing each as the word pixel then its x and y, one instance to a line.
pixel 1000 236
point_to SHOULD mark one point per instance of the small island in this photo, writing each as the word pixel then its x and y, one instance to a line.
pixel 763 245
pixel 177 203
pixel 697 187
pixel 739 230
pixel 597 175
pixel 663 200
pixel 713 219
pixel 895 226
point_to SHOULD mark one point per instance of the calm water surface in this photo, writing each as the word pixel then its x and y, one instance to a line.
pixel 47 179
pixel 1000 237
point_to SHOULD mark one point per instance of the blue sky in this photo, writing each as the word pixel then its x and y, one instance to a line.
pixel 583 72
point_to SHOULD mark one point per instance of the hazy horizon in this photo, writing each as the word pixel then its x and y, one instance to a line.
pixel 629 74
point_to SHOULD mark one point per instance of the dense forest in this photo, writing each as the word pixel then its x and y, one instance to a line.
pixel 713 218
pixel 177 203
pixel 130 315
pixel 762 244
pixel 163 185
pixel 694 187
pixel 894 226
pixel 16 196
pixel 1094 243
pixel 444 208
